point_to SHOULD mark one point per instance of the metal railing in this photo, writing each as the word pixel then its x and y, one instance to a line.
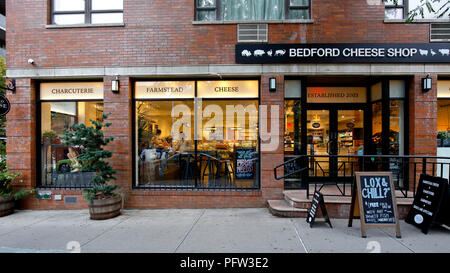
pixel 338 170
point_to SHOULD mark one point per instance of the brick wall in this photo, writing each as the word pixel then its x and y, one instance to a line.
pixel 161 32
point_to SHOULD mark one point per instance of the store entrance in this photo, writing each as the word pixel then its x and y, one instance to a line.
pixel 333 131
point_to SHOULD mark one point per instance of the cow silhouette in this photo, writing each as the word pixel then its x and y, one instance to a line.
pixel 280 52
pixel 444 52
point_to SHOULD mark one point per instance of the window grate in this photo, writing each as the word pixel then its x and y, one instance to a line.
pixel 440 32
pixel 252 33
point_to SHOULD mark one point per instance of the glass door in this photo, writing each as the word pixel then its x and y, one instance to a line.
pixel 319 142
pixel 350 140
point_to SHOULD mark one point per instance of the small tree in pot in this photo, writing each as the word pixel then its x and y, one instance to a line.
pixel 103 201
pixel 8 195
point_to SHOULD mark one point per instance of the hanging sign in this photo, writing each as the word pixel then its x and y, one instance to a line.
pixel 342 53
pixel 374 194
pixel 428 208
pixel 165 90
pixel 5 106
pixel 317 202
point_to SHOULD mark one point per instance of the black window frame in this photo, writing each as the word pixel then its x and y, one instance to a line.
pixel 287 8
pixel 404 6
pixel 88 11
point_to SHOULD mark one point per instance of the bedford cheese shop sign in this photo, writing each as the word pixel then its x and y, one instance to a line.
pixel 71 91
pixel 165 90
pixel 336 95
pixel 342 53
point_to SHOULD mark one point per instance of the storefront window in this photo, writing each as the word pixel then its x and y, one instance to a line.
pixel 60 166
pixel 292 132
pixel 163 160
pixel 377 127
pixel 200 141
pixel 64 104
pixel 396 131
pixel 443 122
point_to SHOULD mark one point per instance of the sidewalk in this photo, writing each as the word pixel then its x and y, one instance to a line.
pixel 203 230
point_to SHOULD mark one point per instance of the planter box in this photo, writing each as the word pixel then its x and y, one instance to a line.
pixel 6 206
pixel 105 208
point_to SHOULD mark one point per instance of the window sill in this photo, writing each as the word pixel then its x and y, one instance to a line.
pixel 299 21
pixel 417 21
pixel 85 25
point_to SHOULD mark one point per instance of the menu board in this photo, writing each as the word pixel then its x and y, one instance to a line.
pixel 374 194
pixel 317 202
pixel 428 202
pixel 245 163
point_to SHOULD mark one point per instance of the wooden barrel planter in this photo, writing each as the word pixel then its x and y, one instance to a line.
pixel 103 209
pixel 6 206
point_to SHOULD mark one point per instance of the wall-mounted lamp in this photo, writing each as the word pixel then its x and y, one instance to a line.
pixel 10 85
pixel 115 84
pixel 272 84
pixel 426 84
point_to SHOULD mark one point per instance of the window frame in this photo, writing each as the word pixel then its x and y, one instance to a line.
pixel 88 11
pixel 287 8
pixel 404 7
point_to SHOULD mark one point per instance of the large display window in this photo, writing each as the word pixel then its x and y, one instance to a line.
pixel 59 110
pixel 197 134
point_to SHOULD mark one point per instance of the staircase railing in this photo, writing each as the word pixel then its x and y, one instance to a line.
pixel 338 170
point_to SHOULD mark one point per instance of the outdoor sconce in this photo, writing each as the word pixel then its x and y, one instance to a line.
pixel 272 84
pixel 426 84
pixel 11 86
pixel 115 85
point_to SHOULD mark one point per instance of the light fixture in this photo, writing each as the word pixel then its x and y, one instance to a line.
pixel 10 85
pixel 115 85
pixel 272 84
pixel 426 84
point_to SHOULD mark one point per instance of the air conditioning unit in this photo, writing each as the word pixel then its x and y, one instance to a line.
pixel 440 32
pixel 252 33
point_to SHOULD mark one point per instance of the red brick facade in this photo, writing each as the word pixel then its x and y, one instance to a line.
pixel 162 33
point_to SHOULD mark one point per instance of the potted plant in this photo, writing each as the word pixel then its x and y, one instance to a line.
pixel 8 195
pixel 49 137
pixel 103 201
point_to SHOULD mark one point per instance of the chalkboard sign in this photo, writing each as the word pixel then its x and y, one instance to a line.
pixel 428 203
pixel 317 202
pixel 245 163
pixel 375 192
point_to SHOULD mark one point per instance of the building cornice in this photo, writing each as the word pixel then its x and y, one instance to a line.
pixel 229 70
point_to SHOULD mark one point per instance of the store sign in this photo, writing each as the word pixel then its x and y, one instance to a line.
pixel 443 89
pixel 5 106
pixel 342 53
pixel 374 195
pixel 428 206
pixel 336 95
pixel 245 163
pixel 317 202
pixel 165 90
pixel 72 91
pixel 227 89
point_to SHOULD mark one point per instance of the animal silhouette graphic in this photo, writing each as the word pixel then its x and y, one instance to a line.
pixel 423 52
pixel 246 53
pixel 444 52
pixel 259 52
pixel 280 52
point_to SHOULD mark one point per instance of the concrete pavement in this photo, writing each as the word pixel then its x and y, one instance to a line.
pixel 203 230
